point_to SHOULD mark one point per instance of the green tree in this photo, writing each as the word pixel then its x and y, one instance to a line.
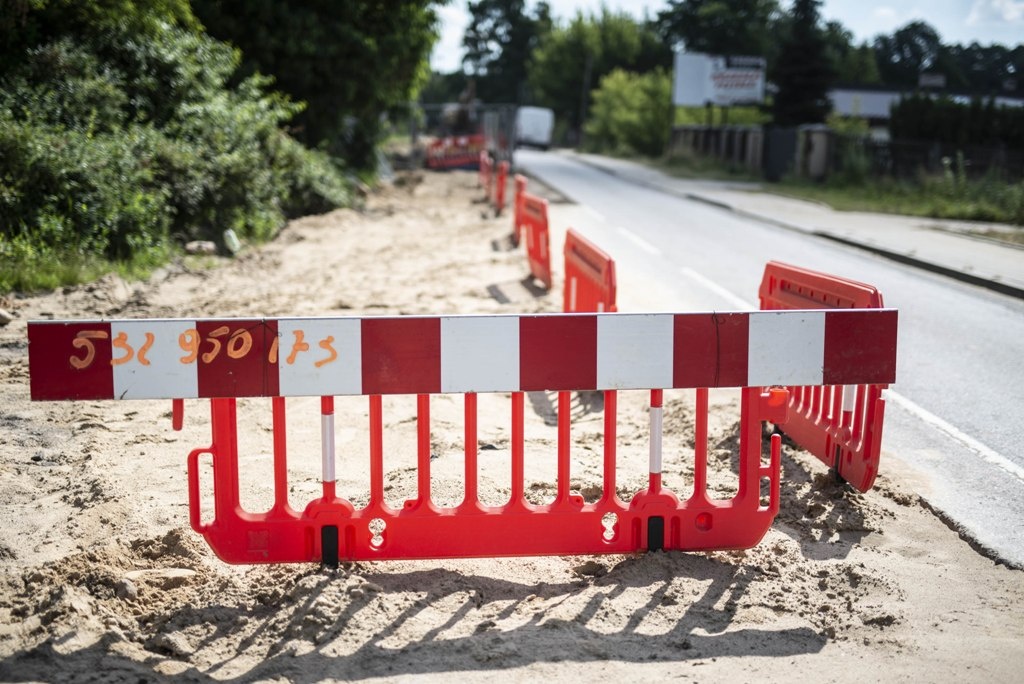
pixel 571 59
pixel 722 27
pixel 803 73
pixel 853 64
pixel 631 113
pixel 499 41
pixel 907 53
pixel 350 62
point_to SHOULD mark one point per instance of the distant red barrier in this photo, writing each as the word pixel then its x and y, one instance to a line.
pixel 840 424
pixel 517 208
pixel 455 152
pixel 533 221
pixel 589 276
pixel 485 172
pixel 499 191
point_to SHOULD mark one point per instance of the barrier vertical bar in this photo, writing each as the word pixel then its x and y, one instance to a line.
pixel 700 447
pixel 280 454
pixel 327 451
pixel 564 399
pixel 376 452
pixel 517 498
pixel 609 495
pixel 472 493
pixel 423 451
pixel 655 444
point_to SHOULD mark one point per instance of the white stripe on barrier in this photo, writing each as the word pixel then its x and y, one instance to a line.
pixel 634 350
pixel 327 445
pixel 656 420
pixel 786 348
pixel 297 357
pixel 154 370
pixel 479 354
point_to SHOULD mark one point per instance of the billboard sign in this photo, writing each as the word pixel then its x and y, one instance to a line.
pixel 700 79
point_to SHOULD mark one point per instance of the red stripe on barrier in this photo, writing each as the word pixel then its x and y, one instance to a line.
pixel 70 361
pixel 236 358
pixel 401 355
pixel 710 350
pixel 856 342
pixel 557 353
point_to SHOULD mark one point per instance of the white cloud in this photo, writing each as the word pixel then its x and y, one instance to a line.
pixel 983 11
pixel 884 13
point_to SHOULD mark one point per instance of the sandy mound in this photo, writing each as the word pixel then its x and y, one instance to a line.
pixel 103 580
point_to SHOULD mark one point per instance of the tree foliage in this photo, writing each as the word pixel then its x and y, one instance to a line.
pixel 348 61
pixel 499 42
pixel 721 27
pixel 572 59
pixel 119 138
pixel 632 113
pixel 803 74
pixel 944 121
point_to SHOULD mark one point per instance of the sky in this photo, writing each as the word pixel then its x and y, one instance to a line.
pixel 957 21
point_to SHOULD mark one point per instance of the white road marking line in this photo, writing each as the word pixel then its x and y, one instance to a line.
pixel 639 241
pixel 988 454
pixel 595 214
pixel 736 301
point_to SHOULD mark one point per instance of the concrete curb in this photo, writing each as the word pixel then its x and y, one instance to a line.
pixel 987 283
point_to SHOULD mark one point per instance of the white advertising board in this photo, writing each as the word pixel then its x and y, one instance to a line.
pixel 700 79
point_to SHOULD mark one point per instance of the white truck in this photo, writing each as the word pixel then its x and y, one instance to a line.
pixel 533 127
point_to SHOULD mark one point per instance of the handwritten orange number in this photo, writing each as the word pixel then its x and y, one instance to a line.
pixel 209 356
pixel 83 340
pixel 141 356
pixel 189 341
pixel 239 344
pixel 300 345
pixel 121 342
pixel 327 343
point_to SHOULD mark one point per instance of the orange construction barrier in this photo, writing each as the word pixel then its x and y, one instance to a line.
pixel 840 424
pixel 517 208
pixel 533 222
pixel 455 152
pixel 485 172
pixel 223 359
pixel 499 190
pixel 589 276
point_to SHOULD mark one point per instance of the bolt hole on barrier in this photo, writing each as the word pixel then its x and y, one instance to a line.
pixel 414 374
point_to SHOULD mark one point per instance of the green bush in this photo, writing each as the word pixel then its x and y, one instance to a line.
pixel 632 113
pixel 117 145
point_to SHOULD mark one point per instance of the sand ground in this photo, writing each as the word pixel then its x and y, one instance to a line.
pixel 101 578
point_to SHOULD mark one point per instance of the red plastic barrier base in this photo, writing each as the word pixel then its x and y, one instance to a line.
pixel 841 426
pixel 330 528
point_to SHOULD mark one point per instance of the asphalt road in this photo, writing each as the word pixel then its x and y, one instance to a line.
pixel 953 420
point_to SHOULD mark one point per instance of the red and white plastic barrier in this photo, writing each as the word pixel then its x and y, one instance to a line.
pixel 228 358
pixel 517 209
pixel 243 357
pixel 532 222
pixel 589 276
pixel 485 172
pixel 455 152
pixel 840 423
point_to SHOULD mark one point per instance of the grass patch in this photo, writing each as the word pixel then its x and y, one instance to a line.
pixel 973 200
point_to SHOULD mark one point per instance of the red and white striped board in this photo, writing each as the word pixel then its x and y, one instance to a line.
pixel 239 357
